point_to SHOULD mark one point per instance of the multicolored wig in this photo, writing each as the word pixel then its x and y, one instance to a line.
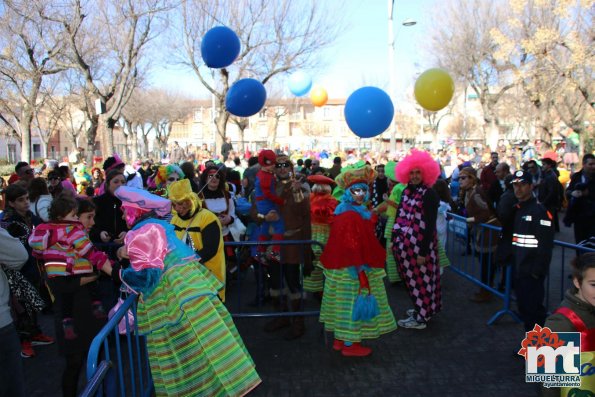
pixel 164 172
pixel 418 160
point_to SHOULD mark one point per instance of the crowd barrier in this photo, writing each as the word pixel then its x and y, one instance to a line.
pixel 466 261
pixel 117 364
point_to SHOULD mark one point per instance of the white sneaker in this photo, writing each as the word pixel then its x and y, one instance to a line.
pixel 411 323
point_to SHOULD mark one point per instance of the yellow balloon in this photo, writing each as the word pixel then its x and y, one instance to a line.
pixel 434 89
pixel 318 96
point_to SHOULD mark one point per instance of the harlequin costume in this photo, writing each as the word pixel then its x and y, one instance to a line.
pixel 414 235
pixel 200 230
pixel 267 200
pixel 193 345
pixel 322 211
pixel 354 303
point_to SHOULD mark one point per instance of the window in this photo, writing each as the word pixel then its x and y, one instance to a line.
pixel 12 152
pixel 327 112
pixel 36 151
pixel 198 115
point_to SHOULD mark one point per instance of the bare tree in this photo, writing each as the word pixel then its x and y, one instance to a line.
pixel 167 109
pixel 549 44
pixel 276 36
pixel 111 63
pixel 462 44
pixel 25 62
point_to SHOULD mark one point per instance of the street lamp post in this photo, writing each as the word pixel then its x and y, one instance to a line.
pixel 391 66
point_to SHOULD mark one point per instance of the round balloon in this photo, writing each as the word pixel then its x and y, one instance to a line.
pixel 245 98
pixel 318 96
pixel 369 112
pixel 434 89
pixel 300 83
pixel 220 46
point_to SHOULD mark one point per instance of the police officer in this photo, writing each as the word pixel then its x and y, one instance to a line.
pixel 533 241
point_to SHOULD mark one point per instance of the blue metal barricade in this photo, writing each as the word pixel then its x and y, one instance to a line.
pixel 467 261
pixel 128 372
pixel 130 375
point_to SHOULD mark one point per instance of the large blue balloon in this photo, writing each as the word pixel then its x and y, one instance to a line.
pixel 220 47
pixel 245 98
pixel 369 112
pixel 300 83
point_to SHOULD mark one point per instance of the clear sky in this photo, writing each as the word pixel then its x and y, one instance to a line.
pixel 360 55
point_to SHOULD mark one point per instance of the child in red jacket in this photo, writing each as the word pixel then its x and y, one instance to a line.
pixel 66 251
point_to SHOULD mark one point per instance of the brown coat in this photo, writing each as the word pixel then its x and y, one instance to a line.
pixel 296 217
pixel 476 204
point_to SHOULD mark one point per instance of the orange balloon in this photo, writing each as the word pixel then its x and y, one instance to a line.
pixel 318 96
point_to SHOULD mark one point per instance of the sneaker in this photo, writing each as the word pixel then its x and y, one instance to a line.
pixel 411 323
pixel 41 340
pixel 68 327
pixel 411 313
pixel 27 350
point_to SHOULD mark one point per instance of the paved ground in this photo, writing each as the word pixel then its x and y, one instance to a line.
pixel 457 355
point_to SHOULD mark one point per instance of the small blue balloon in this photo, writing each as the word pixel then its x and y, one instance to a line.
pixel 300 83
pixel 220 47
pixel 369 112
pixel 245 98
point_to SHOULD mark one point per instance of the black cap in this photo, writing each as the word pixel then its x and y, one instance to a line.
pixel 522 177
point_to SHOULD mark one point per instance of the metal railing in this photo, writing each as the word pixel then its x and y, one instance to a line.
pixel 466 261
pixel 114 369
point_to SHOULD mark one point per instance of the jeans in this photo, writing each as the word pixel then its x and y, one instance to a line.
pixel 12 381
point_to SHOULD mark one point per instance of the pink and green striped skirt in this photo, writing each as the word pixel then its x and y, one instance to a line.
pixel 315 281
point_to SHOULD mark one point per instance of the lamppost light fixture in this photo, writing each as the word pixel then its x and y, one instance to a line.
pixel 409 22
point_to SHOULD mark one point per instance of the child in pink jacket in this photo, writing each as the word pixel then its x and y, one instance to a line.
pixel 66 251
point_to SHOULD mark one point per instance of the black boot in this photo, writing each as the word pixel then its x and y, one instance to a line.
pixel 298 328
pixel 277 323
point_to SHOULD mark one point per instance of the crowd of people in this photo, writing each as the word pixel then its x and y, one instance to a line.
pixel 74 238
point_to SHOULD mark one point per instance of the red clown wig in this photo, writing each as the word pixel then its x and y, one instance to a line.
pixel 421 160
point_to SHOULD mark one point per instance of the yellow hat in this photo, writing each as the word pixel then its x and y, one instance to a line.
pixel 181 191
pixel 360 175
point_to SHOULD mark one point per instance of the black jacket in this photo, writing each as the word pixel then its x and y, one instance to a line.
pixel 108 217
pixel 532 239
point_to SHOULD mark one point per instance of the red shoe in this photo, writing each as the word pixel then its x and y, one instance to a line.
pixel 338 345
pixel 41 340
pixel 356 350
pixel 27 350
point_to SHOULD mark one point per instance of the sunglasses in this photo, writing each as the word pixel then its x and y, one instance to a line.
pixel 282 165
pixel 172 179
pixel 358 192
pixel 54 178
pixel 216 176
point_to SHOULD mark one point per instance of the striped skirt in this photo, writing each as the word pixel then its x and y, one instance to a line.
pixel 340 292
pixel 194 347
pixel 391 264
pixel 315 281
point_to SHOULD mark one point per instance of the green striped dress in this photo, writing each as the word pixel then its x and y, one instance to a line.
pixel 194 347
pixel 340 292
pixel 315 281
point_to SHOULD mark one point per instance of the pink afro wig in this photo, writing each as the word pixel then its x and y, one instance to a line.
pixel 417 159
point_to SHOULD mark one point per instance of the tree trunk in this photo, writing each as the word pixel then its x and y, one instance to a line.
pixel 25 127
pixel 221 123
pixel 91 135
pixel 145 146
pixel 134 145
